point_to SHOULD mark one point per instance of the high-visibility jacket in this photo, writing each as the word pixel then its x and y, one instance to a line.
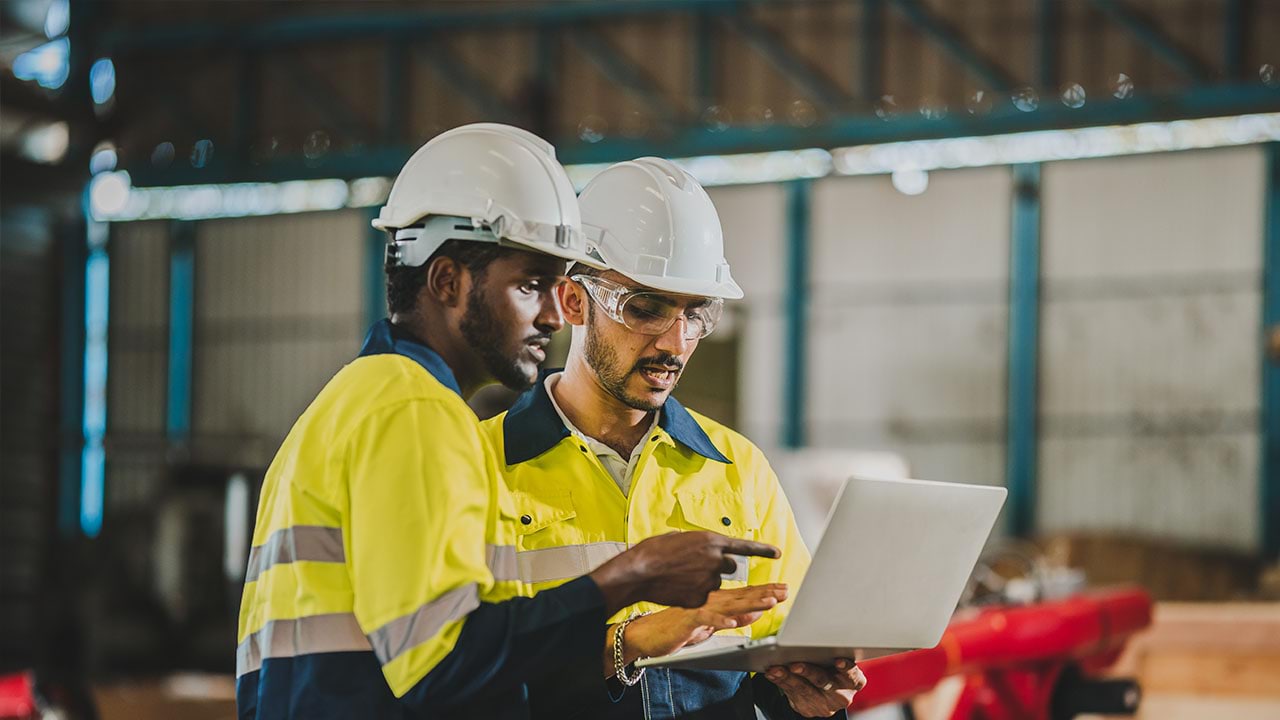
pixel 692 474
pixel 382 578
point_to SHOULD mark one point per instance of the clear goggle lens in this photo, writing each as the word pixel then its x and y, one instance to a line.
pixel 650 312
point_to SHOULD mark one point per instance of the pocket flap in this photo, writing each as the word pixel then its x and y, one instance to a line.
pixel 535 512
pixel 722 512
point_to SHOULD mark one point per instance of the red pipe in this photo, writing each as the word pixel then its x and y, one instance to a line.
pixel 1083 626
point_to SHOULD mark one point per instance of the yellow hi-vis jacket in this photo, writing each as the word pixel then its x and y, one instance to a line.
pixel 381 559
pixel 692 474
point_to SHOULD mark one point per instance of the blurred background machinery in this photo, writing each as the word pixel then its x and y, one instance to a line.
pixel 1021 242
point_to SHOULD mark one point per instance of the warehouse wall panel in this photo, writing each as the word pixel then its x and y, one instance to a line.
pixel 279 310
pixel 753 218
pixel 908 319
pixel 1150 357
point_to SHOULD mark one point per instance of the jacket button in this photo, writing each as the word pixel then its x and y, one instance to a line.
pixel 525 520
pixel 726 521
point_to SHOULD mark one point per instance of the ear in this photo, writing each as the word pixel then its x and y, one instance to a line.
pixel 573 302
pixel 445 282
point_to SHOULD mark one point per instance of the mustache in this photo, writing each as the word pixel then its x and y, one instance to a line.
pixel 664 360
pixel 539 339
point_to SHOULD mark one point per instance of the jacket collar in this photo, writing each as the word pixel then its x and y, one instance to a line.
pixel 533 427
pixel 385 338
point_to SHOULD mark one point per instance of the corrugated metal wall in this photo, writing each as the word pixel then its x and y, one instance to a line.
pixel 908 321
pixel 1150 350
pixel 137 363
pixel 279 309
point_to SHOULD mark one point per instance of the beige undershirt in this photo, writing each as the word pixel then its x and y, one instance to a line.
pixel 619 469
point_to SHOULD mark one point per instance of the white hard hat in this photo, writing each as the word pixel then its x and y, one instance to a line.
pixel 505 185
pixel 651 221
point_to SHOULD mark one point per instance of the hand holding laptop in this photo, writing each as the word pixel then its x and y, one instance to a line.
pixel 817 691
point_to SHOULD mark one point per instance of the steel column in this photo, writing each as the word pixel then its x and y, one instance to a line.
pixel 97 274
pixel 375 277
pixel 796 311
pixel 181 335
pixel 1270 406
pixel 71 397
pixel 1024 327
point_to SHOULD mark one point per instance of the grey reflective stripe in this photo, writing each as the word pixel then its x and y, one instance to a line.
pixel 502 562
pixel 338 632
pixel 742 572
pixel 312 543
pixel 409 631
pixel 566 561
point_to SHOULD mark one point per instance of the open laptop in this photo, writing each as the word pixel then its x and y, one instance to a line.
pixel 885 577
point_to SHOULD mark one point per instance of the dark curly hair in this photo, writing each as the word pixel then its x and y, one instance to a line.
pixel 404 283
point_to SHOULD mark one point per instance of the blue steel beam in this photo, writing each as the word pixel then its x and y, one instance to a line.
pixel 302 29
pixel 1234 38
pixel 1047 17
pixel 812 81
pixel 1024 344
pixel 323 98
pixel 249 87
pixel 622 71
pixel 871 47
pixel 1179 58
pixel 395 90
pixel 1270 410
pixel 476 90
pixel 704 65
pixel 796 315
pixel 954 43
pixel 181 331
pixel 835 131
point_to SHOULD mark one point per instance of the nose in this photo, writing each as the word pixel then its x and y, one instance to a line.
pixel 549 318
pixel 673 340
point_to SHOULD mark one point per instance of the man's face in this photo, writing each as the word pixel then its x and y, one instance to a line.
pixel 510 314
pixel 640 371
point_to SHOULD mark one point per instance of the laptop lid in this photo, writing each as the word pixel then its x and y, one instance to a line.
pixel 892 564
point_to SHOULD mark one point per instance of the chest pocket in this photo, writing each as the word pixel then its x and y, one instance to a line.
pixel 545 520
pixel 726 513
pixel 550 546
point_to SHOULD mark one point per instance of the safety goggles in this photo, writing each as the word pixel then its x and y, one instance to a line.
pixel 648 312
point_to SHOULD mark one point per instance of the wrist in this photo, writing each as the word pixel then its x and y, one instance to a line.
pixel 620 583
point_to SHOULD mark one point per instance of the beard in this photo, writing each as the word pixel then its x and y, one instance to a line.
pixel 483 333
pixel 613 377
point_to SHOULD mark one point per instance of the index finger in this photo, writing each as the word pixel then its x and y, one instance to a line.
pixel 734 546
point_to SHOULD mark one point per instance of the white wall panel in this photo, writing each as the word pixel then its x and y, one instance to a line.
pixel 1149 369
pixel 753 218
pixel 908 320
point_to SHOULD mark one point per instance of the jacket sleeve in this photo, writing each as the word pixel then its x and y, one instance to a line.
pixel 420 502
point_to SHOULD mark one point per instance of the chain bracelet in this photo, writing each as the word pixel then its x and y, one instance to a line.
pixel 620 668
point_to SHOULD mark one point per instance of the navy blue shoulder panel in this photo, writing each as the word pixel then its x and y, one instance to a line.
pixel 681 426
pixel 532 425
pixel 384 338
